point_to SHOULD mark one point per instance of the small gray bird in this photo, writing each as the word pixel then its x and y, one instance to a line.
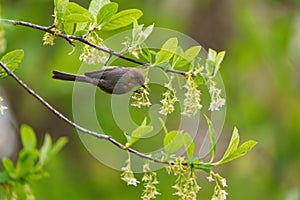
pixel 112 79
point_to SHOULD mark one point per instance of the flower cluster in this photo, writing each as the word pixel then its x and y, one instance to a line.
pixel 192 97
pixel 186 183
pixel 92 55
pixel 141 97
pixel 219 192
pixel 128 175
pixel 150 180
pixel 2 108
pixel 216 100
pixel 169 99
pixel 48 38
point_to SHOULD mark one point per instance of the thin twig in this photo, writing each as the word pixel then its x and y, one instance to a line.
pixel 70 122
pixel 69 38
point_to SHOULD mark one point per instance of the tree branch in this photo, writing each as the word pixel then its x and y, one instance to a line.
pixel 70 122
pixel 85 41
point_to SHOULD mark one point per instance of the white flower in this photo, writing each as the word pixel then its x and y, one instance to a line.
pixel 216 100
pixel 169 99
pixel 223 182
pixel 141 98
pixel 133 181
pixel 222 194
pixel 192 99
pixel 128 175
pixel 210 178
pixel 92 55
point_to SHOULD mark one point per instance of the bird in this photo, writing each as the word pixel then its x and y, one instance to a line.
pixel 110 79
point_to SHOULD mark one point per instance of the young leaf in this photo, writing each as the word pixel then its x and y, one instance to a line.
pixel 122 19
pixel 212 138
pixel 77 18
pixel 106 13
pixel 211 54
pixel 241 151
pixel 233 144
pixel 146 53
pixel 219 58
pixel 167 51
pixel 11 60
pixel 194 160
pixel 9 167
pixel 173 141
pixel 4 177
pixel 26 161
pixel 96 5
pixel 189 145
pixel 75 8
pixel 60 7
pixel 57 146
pixel 204 167
pixel 177 55
pixel 188 56
pixel 28 137
pixel 138 133
pixel 45 149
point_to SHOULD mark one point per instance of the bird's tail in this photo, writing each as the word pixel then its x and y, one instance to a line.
pixel 68 77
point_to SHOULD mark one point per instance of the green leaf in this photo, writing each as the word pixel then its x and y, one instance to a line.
pixel 212 138
pixel 188 56
pixel 60 7
pixel 77 18
pixel 106 13
pixel 204 167
pixel 194 160
pixel 128 137
pixel 219 58
pixel 75 8
pixel 26 161
pixel 96 5
pixel 146 53
pixel 199 80
pixel 241 151
pixel 233 144
pixel 57 146
pixel 189 145
pixel 138 133
pixel 212 54
pixel 45 149
pixel 9 167
pixel 122 19
pixel 167 51
pixel 4 177
pixel 28 137
pixel 177 55
pixel 173 141
pixel 11 60
pixel 37 173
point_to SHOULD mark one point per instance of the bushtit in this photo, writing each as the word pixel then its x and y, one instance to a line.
pixel 113 79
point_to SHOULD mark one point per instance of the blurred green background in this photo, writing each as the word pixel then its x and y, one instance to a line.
pixel 261 73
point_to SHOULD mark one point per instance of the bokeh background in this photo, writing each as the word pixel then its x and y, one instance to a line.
pixel 261 73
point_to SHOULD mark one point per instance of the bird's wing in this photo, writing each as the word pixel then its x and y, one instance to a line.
pixel 102 73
